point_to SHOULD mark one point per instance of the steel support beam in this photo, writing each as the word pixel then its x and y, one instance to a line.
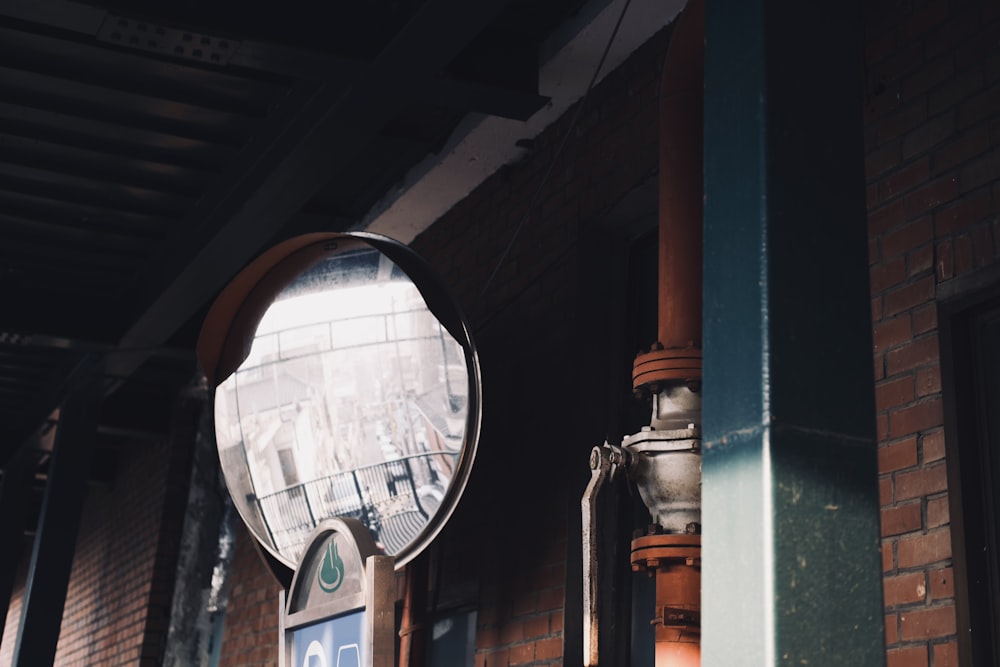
pixel 58 524
pixel 792 571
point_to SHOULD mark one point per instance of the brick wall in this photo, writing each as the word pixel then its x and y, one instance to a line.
pixel 117 606
pixel 531 468
pixel 250 635
pixel 505 549
pixel 932 157
pixel 932 112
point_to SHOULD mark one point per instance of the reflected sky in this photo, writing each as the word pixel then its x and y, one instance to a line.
pixel 353 401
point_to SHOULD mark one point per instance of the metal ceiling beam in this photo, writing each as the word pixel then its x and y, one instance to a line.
pixel 301 63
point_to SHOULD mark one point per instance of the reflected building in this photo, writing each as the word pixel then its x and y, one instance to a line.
pixel 331 415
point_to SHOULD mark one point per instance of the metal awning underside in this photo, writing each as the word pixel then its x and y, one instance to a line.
pixel 149 149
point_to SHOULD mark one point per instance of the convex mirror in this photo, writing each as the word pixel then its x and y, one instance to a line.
pixel 347 385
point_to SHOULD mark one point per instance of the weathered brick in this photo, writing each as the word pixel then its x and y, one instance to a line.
pixel 932 446
pixel 885 491
pixel 920 260
pixel 920 550
pixel 937 512
pixel 928 135
pixel 979 172
pixel 888 274
pixel 921 482
pixel 884 218
pixel 969 210
pixel 946 654
pixel 945 263
pixel 880 161
pixel 963 147
pixel 522 654
pixel 921 352
pixel 904 589
pixel 964 259
pixel 982 245
pixel 924 319
pixel 906 178
pixel 927 623
pixel 902 519
pixel 910 656
pixel 898 123
pixel 978 107
pixel 892 333
pixel 548 649
pixel 929 196
pixel 907 237
pixel 894 392
pixel 909 296
pixel 929 380
pixel 897 456
pixel 891 629
pixel 942 583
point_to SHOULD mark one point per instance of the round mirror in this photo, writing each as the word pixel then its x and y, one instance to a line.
pixel 347 386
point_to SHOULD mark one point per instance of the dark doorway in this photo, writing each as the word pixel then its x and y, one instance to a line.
pixel 970 365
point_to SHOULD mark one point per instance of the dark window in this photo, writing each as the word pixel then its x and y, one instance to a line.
pixel 970 342
pixel 453 640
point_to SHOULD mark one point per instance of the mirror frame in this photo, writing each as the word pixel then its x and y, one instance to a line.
pixel 231 324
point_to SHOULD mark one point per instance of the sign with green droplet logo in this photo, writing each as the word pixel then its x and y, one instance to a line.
pixel 331 571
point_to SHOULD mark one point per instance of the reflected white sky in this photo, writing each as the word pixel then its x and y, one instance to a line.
pixel 352 402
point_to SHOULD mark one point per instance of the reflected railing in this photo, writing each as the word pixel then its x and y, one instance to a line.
pixel 384 496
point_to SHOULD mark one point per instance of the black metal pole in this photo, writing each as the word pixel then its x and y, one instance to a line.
pixel 58 525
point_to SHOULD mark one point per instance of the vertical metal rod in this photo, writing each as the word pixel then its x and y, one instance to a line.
pixel 58 525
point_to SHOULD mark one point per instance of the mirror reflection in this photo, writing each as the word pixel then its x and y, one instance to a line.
pixel 352 402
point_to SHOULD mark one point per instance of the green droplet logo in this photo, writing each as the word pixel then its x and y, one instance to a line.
pixel 331 570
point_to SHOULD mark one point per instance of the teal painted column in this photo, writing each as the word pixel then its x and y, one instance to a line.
pixel 792 570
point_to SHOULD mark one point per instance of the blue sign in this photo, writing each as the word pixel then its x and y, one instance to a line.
pixel 337 642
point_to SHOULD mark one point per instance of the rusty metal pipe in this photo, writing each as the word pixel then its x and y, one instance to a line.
pixel 668 453
pixel 676 356
pixel 681 168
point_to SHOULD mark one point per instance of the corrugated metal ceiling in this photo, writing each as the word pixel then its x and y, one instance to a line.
pixel 148 150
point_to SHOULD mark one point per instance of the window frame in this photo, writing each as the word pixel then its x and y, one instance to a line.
pixel 975 526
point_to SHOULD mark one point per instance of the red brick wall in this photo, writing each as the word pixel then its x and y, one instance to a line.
pixel 531 467
pixel 507 541
pixel 932 126
pixel 250 636
pixel 117 606
pixel 932 134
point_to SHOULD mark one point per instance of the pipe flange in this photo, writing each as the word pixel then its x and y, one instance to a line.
pixel 663 365
pixel 654 551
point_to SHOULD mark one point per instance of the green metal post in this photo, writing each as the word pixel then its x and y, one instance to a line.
pixel 792 570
